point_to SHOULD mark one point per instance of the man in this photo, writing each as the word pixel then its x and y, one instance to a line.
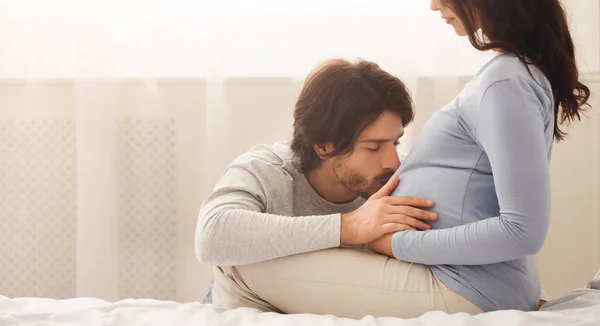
pixel 328 188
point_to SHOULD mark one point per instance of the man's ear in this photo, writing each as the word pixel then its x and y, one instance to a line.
pixel 323 150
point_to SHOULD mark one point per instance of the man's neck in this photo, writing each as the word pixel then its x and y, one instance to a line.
pixel 326 184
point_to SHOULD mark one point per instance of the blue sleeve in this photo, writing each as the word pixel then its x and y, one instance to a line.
pixel 510 129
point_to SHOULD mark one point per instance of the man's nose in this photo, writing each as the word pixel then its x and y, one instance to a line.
pixel 391 160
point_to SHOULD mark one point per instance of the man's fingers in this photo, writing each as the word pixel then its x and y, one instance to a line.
pixel 412 212
pixel 409 201
pixel 387 188
pixel 405 219
pixel 412 222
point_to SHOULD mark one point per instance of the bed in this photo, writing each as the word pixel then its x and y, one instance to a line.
pixel 579 307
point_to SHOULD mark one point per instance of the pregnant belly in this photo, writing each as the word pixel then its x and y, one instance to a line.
pixel 445 187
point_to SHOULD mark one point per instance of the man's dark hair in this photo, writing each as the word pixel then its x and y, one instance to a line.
pixel 338 101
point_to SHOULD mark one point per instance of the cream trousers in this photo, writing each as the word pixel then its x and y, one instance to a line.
pixel 343 282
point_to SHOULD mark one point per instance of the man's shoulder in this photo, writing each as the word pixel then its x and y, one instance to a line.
pixel 268 161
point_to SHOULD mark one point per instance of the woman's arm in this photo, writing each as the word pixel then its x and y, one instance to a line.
pixel 511 130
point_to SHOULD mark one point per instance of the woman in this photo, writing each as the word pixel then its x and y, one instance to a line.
pixel 484 158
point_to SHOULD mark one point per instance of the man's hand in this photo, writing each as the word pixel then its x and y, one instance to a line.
pixel 382 214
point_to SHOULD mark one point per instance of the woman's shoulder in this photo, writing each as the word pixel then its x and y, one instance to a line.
pixel 508 66
pixel 507 77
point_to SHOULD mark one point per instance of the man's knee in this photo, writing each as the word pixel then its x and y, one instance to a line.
pixel 231 292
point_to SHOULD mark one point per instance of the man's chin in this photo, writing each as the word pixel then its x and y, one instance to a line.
pixel 368 193
pixel 364 195
pixel 372 190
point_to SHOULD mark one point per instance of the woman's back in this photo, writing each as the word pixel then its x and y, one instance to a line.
pixel 495 123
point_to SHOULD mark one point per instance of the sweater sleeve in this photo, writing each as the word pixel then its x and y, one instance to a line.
pixel 234 229
pixel 510 129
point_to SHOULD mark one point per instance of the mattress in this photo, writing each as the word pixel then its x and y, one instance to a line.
pixel 580 307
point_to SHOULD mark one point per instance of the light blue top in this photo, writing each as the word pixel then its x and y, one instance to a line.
pixel 484 160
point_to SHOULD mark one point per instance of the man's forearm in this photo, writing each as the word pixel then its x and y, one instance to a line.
pixel 238 237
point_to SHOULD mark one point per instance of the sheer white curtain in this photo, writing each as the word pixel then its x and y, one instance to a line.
pixel 118 117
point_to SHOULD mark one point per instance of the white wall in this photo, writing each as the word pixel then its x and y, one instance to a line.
pixel 571 255
pixel 584 17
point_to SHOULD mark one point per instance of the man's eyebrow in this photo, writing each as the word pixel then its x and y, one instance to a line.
pixel 376 140
pixel 380 140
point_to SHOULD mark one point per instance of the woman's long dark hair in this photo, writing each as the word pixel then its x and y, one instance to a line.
pixel 537 31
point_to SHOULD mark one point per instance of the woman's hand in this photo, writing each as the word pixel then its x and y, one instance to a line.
pixel 382 245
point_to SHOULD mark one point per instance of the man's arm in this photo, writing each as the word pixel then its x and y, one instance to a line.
pixel 511 130
pixel 233 228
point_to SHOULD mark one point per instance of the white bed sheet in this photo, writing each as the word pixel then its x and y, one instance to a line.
pixel 580 307
pixel 92 312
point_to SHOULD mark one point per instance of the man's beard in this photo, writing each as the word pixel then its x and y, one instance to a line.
pixel 357 183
